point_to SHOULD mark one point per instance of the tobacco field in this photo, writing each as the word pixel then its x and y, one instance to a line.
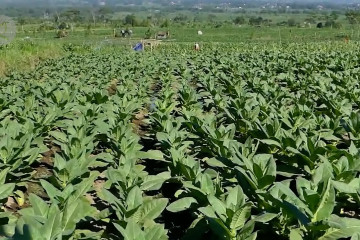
pixel 232 142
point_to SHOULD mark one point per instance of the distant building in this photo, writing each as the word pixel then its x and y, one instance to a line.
pixel 198 7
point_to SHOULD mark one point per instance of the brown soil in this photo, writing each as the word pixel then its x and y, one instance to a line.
pixel 112 88
pixel 349 213
pixel 42 172
pixel 90 198
pixel 99 185
pixel 139 124
pixel 49 155
pixel 11 205
pixel 36 189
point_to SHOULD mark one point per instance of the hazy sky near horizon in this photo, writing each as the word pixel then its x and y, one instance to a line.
pixel 343 1
pixel 29 2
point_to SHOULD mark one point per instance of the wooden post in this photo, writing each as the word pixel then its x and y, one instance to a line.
pixel 279 35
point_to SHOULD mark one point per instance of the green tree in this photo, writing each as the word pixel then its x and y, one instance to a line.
pixel 180 18
pixel 333 24
pixel 353 17
pixel 71 15
pixel 21 21
pixel 63 26
pixel 88 30
pixel 334 15
pixel 145 23
pixel 104 14
pixel 130 20
pixel 256 21
pixel 212 18
pixel 240 20
pixel 165 24
pixel 291 22
pixel 310 20
pixel 148 34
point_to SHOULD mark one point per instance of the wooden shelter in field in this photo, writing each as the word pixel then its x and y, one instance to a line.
pixel 150 43
pixel 61 34
pixel 162 35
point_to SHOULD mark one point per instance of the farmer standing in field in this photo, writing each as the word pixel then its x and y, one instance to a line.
pixel 197 47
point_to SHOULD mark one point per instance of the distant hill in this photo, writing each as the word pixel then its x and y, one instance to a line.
pixel 136 2
pixel 252 3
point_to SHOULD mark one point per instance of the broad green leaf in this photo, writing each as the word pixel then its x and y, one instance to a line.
pixel 253 236
pixel 154 182
pixel 134 198
pixel 355 236
pixel 353 150
pixel 293 210
pixel 207 184
pixel 50 190
pixel 235 198
pixel 60 136
pixel 40 206
pixel 240 217
pixel 271 142
pixel 291 196
pixel 247 230
pixel 152 155
pixel 84 186
pixel 131 232
pixel 345 187
pixel 28 227
pixel 326 205
pixel 110 198
pixel 72 214
pixel 59 162
pixel 87 234
pixel 52 227
pixel 341 228
pixel 152 208
pixel 264 218
pixel 9 228
pixel 219 229
pixel 3 175
pixel 6 190
pixel 181 204
pixel 134 232
pixel 213 162
pixel 156 232
pixel 324 172
pixel 295 235
pixel 208 211
pixel 218 206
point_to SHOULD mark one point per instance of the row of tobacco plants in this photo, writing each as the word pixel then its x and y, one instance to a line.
pixel 233 142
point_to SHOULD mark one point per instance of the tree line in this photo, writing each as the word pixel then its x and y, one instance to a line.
pixel 106 16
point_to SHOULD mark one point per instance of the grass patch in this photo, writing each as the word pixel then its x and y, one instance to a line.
pixel 23 55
